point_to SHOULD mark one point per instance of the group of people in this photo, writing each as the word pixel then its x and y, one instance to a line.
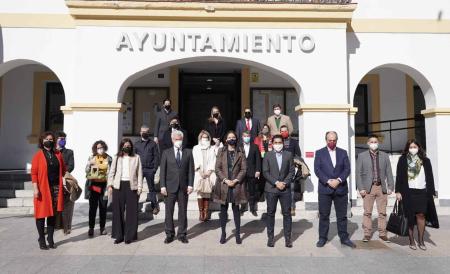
pixel 228 167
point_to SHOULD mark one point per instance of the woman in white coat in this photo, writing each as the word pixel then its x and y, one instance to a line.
pixel 204 161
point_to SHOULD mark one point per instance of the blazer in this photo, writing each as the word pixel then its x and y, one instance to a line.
pixel 254 162
pixel 197 155
pixel 364 175
pixel 325 171
pixel 238 172
pixel 68 158
pixel 115 172
pixel 175 178
pixel 241 126
pixel 216 131
pixel 43 206
pixel 272 173
pixel 162 122
pixel 285 120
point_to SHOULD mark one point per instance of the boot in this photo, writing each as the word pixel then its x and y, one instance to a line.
pixel 206 209
pixel 51 242
pixel 200 209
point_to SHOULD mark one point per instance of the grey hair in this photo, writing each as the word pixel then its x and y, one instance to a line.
pixel 329 132
pixel 176 133
pixel 145 127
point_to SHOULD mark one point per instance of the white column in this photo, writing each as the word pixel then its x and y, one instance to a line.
pixel 353 194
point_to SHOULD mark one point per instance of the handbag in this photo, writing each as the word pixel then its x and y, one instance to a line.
pixel 204 186
pixel 72 187
pixel 398 223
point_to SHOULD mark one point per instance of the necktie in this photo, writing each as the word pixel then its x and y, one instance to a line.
pixel 248 124
pixel 178 158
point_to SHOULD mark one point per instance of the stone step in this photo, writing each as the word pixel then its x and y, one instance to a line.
pixel 16 202
pixel 8 193
pixel 17 211
pixel 13 185
pixel 14 176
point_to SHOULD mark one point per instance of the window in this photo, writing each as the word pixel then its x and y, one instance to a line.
pixel 140 108
pixel 54 117
pixel 263 99
pixel 361 101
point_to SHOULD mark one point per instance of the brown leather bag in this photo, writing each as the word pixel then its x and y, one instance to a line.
pixel 72 187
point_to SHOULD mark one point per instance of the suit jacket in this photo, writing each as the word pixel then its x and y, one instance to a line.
pixel 253 160
pixel 162 122
pixel 364 175
pixel 241 126
pixel 68 158
pixel 166 141
pixel 294 148
pixel 175 178
pixel 285 120
pixel 323 167
pixel 272 173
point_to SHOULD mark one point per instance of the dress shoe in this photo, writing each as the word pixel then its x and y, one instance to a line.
pixel 366 239
pixel 238 239
pixel 321 242
pixel 288 243
pixel 223 238
pixel 255 213
pixel 385 239
pixel 127 242
pixel 270 243
pixel 155 211
pixel 52 245
pixel 42 245
pixel 91 232
pixel 183 239
pixel 118 241
pixel 103 231
pixel 348 243
pixel 168 239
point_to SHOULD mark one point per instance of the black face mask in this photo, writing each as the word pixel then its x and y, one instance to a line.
pixel 126 150
pixel 248 115
pixel 49 144
pixel 175 126
pixel 167 107
pixel 231 142
pixel 216 115
pixel 145 135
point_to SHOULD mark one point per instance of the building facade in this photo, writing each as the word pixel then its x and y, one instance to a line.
pixel 100 69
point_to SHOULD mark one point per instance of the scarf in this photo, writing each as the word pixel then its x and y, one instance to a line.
pixel 414 166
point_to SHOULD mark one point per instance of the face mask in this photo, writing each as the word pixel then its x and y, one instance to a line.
pixel 231 142
pixel 278 147
pixel 62 143
pixel 248 115
pixel 126 150
pixel 265 131
pixel 331 146
pixel 216 115
pixel 246 139
pixel 178 144
pixel 100 151
pixel 277 112
pixel 145 135
pixel 48 144
pixel 205 142
pixel 413 151
pixel 167 107
pixel 373 146
pixel 284 134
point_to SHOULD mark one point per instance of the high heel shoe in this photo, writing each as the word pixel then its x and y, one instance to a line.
pixel 422 246
pixel 223 238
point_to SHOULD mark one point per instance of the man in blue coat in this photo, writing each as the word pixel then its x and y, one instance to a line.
pixel 332 167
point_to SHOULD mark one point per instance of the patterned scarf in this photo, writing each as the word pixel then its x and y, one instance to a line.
pixel 414 166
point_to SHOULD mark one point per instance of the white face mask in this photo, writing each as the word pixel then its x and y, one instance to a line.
pixel 277 112
pixel 204 142
pixel 278 147
pixel 178 143
pixel 413 151
pixel 373 146
pixel 100 151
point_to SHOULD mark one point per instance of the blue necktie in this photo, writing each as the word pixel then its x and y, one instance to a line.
pixel 178 158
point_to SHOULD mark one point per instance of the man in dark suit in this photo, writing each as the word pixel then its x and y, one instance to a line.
pixel 278 170
pixel 332 167
pixel 166 140
pixel 253 157
pixel 248 123
pixel 162 120
pixel 177 179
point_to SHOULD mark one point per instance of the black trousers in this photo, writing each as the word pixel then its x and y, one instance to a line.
pixel 149 176
pixel 252 192
pixel 285 202
pixel 181 197
pixel 340 204
pixel 96 200
pixel 224 217
pixel 125 201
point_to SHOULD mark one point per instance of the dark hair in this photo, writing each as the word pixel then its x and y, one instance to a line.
pixel 246 132
pixel 277 106
pixel 61 134
pixel 99 142
pixel 283 126
pixel 43 136
pixel 277 136
pixel 372 136
pixel 165 100
pixel 421 152
pixel 226 135
pixel 122 143
pixel 174 118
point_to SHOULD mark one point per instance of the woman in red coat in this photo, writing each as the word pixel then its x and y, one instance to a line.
pixel 47 171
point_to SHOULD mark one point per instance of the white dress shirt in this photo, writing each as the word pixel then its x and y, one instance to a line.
pixel 246 149
pixel 419 182
pixel 125 168
pixel 176 150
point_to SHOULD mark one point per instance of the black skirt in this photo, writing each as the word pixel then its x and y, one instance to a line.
pixel 419 200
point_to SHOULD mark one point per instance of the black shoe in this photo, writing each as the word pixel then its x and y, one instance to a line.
pixel 348 243
pixel 223 238
pixel 255 213
pixel 91 232
pixel 321 242
pixel 42 245
pixel 155 211
pixel 51 245
pixel 127 242
pixel 183 239
pixel 270 243
pixel 118 241
pixel 288 243
pixel 168 239
pixel 103 231
pixel 238 239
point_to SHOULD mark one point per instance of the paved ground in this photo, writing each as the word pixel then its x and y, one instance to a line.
pixel 76 253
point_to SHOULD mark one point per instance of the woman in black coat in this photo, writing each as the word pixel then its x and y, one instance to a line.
pixel 414 186
pixel 215 125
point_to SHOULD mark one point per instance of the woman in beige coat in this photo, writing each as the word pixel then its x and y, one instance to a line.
pixel 125 184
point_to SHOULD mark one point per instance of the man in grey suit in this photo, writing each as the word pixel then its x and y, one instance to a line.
pixel 375 182
pixel 177 179
pixel 278 170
